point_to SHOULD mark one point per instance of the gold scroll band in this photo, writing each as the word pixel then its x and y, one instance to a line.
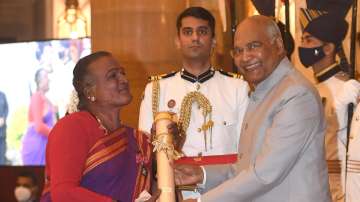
pixel 162 115
pixel 164 138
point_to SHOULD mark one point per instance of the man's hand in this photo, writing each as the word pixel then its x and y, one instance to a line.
pixel 173 128
pixel 178 136
pixel 155 196
pixel 188 174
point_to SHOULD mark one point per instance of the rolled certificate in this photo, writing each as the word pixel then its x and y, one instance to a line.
pixel 163 145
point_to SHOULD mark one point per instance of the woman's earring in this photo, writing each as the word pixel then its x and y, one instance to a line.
pixel 92 98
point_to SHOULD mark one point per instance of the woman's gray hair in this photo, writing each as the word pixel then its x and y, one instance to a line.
pixel 81 75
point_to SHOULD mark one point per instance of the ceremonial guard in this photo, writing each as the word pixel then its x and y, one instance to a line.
pixel 321 40
pixel 209 103
pixel 350 94
pixel 353 164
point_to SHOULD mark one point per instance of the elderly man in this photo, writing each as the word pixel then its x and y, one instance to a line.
pixel 281 151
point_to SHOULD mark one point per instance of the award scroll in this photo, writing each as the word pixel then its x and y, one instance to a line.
pixel 165 155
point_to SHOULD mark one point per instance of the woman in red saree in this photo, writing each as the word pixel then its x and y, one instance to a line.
pixel 90 155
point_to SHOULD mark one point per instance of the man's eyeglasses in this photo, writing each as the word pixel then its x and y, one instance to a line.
pixel 250 47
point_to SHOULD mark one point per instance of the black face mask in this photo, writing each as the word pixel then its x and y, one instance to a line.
pixel 309 56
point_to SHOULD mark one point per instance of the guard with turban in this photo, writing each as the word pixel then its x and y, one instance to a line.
pixel 322 38
pixel 323 34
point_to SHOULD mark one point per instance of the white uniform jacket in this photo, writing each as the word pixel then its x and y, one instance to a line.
pixel 335 137
pixel 350 94
pixel 228 97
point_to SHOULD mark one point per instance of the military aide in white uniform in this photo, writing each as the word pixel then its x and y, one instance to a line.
pixel 228 97
pixel 350 94
pixel 321 41
pixel 210 104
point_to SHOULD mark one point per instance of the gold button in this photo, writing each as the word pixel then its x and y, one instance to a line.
pixel 199 130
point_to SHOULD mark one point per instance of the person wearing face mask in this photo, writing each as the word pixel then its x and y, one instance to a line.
pixel 26 188
pixel 321 40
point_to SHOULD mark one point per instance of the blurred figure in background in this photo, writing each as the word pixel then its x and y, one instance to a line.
pixel 4 110
pixel 27 187
pixel 41 120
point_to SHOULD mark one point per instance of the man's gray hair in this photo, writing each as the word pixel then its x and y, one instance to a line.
pixel 273 30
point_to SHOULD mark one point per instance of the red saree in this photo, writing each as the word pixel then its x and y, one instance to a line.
pixel 84 164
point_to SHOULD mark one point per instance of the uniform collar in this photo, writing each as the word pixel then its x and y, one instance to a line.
pixel 328 72
pixel 201 78
pixel 265 86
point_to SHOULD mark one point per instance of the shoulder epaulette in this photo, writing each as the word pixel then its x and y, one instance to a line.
pixel 161 76
pixel 343 76
pixel 230 74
